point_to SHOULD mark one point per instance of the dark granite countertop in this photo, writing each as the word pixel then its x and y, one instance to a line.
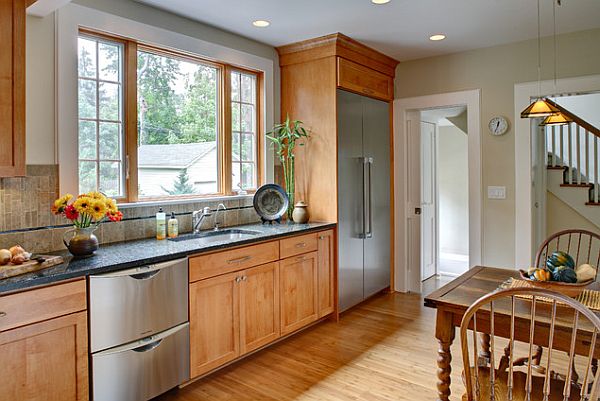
pixel 124 255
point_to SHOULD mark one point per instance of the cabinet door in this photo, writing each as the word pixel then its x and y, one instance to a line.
pixel 298 292
pixel 259 307
pixel 45 361
pixel 214 322
pixel 364 80
pixel 326 278
pixel 12 88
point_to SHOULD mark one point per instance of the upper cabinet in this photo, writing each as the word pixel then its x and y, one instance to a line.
pixel 12 87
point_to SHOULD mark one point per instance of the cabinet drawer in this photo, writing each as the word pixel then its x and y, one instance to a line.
pixel 41 304
pixel 361 79
pixel 298 245
pixel 214 264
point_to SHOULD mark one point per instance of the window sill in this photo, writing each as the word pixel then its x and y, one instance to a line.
pixel 183 201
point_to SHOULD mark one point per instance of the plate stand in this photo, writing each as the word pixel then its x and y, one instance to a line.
pixel 270 222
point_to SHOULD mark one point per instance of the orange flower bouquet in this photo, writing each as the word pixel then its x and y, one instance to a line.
pixel 86 212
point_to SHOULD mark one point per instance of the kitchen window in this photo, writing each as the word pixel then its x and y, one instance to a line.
pixel 158 124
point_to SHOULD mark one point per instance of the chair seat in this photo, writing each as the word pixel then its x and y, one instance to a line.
pixel 519 381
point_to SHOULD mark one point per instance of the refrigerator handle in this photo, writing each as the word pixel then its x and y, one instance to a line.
pixel 365 199
pixel 369 233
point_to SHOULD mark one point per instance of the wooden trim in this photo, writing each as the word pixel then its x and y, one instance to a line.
pixel 336 44
pixel 131 121
pixel 261 131
pixel 392 204
pixel 576 119
pixel 226 131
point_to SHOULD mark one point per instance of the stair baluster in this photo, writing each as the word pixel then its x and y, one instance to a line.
pixel 588 169
pixel 578 150
pixel 595 169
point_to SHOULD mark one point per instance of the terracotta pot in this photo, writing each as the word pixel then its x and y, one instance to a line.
pixel 83 242
pixel 300 214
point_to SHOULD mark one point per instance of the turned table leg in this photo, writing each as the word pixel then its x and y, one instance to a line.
pixel 484 352
pixel 444 332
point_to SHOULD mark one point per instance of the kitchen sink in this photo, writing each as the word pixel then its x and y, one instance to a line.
pixel 229 234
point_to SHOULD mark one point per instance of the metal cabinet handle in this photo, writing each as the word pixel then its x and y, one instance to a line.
pixel 239 260
pixel 301 245
pixel 238 279
pixel 2 314
pixel 301 258
pixel 244 278
pixel 322 237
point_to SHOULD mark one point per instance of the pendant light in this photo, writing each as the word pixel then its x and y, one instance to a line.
pixel 559 118
pixel 540 107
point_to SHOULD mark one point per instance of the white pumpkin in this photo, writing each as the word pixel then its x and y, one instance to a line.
pixel 585 272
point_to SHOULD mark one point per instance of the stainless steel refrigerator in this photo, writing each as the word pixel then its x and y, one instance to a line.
pixel 363 197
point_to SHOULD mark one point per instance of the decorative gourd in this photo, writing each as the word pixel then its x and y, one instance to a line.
pixel 564 274
pixel 540 275
pixel 559 258
pixel 585 272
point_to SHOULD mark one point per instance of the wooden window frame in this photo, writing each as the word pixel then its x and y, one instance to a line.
pixel 224 126
pixel 259 140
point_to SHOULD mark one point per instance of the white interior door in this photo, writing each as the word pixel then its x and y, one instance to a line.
pixel 413 198
pixel 428 204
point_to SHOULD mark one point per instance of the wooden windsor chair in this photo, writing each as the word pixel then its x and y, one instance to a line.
pixel 530 310
pixel 582 245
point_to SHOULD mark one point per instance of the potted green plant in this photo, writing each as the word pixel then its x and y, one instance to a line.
pixel 285 137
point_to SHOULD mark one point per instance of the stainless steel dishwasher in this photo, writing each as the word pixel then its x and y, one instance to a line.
pixel 139 331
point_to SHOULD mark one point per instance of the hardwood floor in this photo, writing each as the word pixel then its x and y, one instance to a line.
pixel 381 350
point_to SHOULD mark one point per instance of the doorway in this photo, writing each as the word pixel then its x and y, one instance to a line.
pixel 444 192
pixel 420 222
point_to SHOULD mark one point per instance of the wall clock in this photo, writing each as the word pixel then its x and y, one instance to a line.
pixel 498 126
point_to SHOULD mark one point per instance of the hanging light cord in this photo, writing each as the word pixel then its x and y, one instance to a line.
pixel 555 45
pixel 539 44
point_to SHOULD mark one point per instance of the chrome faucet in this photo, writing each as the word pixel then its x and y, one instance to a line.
pixel 198 217
pixel 219 207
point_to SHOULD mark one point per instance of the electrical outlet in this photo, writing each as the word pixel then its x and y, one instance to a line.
pixel 496 192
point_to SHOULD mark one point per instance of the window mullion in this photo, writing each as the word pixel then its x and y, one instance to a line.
pixel 227 137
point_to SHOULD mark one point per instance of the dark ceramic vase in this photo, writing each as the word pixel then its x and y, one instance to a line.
pixel 82 241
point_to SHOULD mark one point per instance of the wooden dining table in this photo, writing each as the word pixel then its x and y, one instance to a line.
pixel 453 299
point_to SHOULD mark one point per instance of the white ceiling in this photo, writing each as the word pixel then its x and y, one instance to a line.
pixel 439 116
pixel 400 28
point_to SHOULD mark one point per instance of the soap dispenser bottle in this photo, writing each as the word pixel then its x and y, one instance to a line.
pixel 161 224
pixel 173 226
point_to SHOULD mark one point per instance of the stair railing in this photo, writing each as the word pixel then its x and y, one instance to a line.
pixel 574 149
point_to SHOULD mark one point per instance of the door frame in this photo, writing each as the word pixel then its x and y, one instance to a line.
pixel 523 92
pixel 405 278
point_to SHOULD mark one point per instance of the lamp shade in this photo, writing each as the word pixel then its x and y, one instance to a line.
pixel 539 108
pixel 556 119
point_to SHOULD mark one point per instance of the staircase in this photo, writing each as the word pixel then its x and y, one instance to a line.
pixel 573 165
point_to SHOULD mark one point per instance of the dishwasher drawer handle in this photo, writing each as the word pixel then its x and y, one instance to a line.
pixel 239 260
pixel 148 347
pixel 145 276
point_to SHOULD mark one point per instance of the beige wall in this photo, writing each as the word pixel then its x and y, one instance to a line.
pixel 40 71
pixel 560 216
pixel 453 193
pixel 495 70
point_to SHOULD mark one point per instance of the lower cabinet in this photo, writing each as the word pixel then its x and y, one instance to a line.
pixel 298 289
pixel 47 360
pixel 214 322
pixel 231 315
pixel 238 312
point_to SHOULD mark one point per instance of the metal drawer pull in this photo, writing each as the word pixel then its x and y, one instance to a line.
pixel 239 260
pixel 301 245
pixel 2 314
pixel 301 258
pixel 238 279
pixel 321 237
pixel 148 347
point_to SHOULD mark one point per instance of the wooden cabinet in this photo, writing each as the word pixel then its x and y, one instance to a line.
pixel 12 88
pixel 326 273
pixel 214 322
pixel 48 359
pixel 364 80
pixel 259 307
pixel 298 278
pixel 233 313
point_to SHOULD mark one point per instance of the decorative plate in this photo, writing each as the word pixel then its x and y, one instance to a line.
pixel 270 202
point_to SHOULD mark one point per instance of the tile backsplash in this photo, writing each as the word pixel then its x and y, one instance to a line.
pixel 25 216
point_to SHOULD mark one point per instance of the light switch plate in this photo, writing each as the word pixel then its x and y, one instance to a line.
pixel 496 192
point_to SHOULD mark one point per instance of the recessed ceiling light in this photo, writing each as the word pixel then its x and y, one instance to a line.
pixel 437 37
pixel 380 1
pixel 260 23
